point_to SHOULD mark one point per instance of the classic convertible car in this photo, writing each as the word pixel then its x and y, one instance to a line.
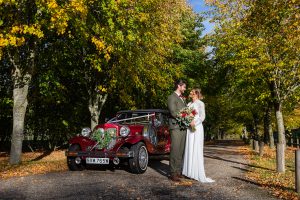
pixel 132 136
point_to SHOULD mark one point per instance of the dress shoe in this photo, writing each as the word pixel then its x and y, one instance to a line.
pixel 175 178
pixel 180 176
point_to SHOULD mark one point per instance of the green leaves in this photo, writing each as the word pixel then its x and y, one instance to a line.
pixel 256 42
pixel 79 50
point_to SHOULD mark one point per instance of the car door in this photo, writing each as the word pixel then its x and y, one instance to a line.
pixel 162 129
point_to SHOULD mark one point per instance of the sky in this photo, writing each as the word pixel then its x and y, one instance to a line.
pixel 199 6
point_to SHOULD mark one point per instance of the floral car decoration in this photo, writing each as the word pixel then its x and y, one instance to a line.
pixel 132 137
pixel 105 138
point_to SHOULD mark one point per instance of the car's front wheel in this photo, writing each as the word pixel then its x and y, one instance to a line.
pixel 138 164
pixel 73 164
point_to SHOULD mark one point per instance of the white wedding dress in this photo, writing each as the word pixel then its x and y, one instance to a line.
pixel 193 164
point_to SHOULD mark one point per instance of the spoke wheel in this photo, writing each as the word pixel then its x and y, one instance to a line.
pixel 139 163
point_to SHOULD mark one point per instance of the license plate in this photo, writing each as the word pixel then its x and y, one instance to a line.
pixel 101 161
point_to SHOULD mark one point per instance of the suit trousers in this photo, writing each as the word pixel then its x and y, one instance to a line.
pixel 177 150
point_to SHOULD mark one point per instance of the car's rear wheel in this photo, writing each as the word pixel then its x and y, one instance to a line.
pixel 138 164
pixel 73 164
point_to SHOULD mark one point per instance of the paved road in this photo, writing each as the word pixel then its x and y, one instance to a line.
pixel 222 163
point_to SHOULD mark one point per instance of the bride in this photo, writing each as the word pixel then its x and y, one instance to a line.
pixel 193 164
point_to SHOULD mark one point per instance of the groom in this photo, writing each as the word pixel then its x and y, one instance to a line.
pixel 178 135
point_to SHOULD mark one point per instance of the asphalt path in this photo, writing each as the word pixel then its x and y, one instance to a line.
pixel 223 163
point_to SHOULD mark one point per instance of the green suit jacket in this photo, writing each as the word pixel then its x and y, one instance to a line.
pixel 175 104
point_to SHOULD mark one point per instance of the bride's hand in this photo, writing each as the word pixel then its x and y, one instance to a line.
pixel 192 123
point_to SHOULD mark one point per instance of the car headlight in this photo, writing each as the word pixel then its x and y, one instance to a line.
pixel 100 131
pixel 86 132
pixel 124 131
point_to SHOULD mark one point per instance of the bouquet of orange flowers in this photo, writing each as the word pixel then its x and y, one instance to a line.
pixel 185 116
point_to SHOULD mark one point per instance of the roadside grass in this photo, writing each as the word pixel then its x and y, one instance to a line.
pixel 33 163
pixel 263 172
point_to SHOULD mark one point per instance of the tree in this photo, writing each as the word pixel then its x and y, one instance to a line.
pixel 134 40
pixel 22 24
pixel 262 41
pixel 17 42
pixel 112 38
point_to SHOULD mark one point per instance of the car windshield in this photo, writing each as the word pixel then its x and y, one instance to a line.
pixel 133 118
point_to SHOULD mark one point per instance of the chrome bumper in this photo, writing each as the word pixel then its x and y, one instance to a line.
pixel 100 154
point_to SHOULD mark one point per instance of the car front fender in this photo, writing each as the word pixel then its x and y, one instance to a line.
pixel 134 139
pixel 84 142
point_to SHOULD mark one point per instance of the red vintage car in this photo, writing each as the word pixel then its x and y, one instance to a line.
pixel 132 136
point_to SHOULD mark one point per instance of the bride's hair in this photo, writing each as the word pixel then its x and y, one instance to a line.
pixel 198 93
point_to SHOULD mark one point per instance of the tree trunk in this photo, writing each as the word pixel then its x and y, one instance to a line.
pixel 222 134
pixel 280 155
pixel 266 126
pixel 261 148
pixel 271 137
pixel 281 139
pixel 252 143
pixel 20 93
pixel 21 78
pixel 257 131
pixel 280 158
pixel 256 146
pixel 268 130
pixel 96 104
pixel 245 136
pixel 219 134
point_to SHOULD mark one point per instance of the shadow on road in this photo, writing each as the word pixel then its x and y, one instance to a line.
pixel 156 165
pixel 219 143
pixel 110 167
pixel 226 160
pixel 160 167
pixel 12 194
pixel 46 153
pixel 242 169
pixel 263 185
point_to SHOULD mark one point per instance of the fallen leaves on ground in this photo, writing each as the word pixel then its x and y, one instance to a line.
pixel 33 163
pixel 184 183
pixel 263 172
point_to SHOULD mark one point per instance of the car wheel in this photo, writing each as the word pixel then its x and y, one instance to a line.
pixel 138 164
pixel 73 166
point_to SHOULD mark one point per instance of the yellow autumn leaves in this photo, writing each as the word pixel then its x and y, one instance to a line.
pixel 76 5
pixel 25 29
pixel 265 173
pixel 11 40
pixel 79 6
pixel 50 163
pixel 102 48
pixel 102 89
pixel 61 14
pixel 16 35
